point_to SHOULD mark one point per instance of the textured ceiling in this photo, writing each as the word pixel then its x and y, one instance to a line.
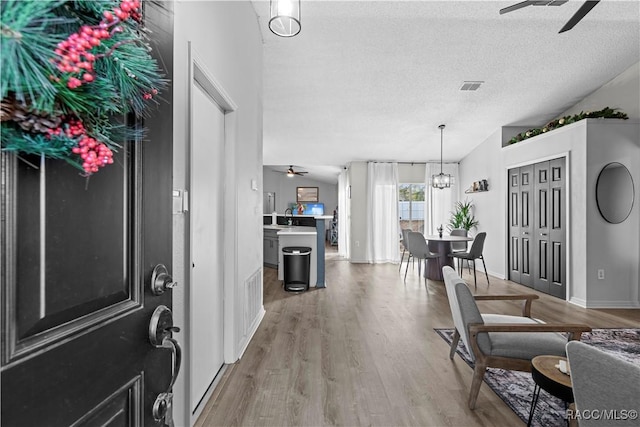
pixel 372 80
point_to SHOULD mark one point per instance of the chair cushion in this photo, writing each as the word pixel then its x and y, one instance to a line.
pixel 527 345
pixel 505 318
pixel 461 255
pixel 523 345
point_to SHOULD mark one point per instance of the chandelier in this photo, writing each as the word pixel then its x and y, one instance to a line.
pixel 441 180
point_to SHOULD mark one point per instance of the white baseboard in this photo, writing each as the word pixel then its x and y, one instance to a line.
pixel 490 273
pixel 613 304
pixel 578 301
pixel 604 304
pixel 498 275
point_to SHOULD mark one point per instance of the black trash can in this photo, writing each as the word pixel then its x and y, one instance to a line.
pixel 297 267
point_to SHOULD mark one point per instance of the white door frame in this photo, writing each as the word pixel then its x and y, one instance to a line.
pixel 198 73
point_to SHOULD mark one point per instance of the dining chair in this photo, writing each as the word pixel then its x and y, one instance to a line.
pixel 405 246
pixel 419 250
pixel 459 246
pixel 474 253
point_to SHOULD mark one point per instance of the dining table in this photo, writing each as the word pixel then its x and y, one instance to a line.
pixel 442 244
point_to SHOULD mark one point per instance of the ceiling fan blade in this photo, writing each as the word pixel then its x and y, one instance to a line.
pixel 584 9
pixel 516 7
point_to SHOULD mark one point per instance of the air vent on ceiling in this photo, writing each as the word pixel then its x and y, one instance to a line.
pixel 471 85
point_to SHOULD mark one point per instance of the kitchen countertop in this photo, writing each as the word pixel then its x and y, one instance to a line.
pixel 305 216
pixel 286 230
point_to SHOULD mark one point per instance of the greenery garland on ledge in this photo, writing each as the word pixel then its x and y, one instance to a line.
pixel 605 113
pixel 68 69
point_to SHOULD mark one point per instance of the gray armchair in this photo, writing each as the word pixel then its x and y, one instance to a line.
pixel 605 387
pixel 501 341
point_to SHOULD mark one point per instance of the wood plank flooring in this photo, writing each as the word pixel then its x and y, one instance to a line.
pixel 363 352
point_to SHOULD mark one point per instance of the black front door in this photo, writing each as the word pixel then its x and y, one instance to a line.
pixel 77 258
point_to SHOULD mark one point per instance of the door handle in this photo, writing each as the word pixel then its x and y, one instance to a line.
pixel 161 280
pixel 161 329
pixel 543 234
pixel 526 233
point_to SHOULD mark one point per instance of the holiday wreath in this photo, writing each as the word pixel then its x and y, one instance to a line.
pixel 69 68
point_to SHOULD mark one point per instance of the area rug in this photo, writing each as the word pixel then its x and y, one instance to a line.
pixel 516 388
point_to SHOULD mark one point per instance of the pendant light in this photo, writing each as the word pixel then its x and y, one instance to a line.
pixel 441 180
pixel 285 17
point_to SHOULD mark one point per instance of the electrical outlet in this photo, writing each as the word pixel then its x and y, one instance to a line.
pixel 357 243
pixel 601 274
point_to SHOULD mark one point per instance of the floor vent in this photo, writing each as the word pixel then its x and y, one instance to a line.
pixel 253 298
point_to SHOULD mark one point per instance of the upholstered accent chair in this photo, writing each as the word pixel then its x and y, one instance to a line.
pixel 603 382
pixel 501 341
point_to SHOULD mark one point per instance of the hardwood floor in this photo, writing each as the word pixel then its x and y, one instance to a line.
pixel 363 352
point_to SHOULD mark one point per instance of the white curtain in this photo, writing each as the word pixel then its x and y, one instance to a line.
pixel 440 203
pixel 342 214
pixel 382 213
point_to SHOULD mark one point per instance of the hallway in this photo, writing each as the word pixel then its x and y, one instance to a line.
pixel 363 352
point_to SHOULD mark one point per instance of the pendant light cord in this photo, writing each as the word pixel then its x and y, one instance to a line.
pixel 441 131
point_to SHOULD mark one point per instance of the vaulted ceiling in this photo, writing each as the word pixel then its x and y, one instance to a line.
pixel 372 80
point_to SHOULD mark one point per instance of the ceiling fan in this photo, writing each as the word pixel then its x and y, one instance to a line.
pixel 290 172
pixel 584 9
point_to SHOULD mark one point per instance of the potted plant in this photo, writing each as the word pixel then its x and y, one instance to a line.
pixel 462 217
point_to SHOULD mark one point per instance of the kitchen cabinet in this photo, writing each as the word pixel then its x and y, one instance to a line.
pixel 271 248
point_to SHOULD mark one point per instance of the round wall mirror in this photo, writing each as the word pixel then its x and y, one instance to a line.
pixel 615 193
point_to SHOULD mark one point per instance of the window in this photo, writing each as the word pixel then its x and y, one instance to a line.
pixel 411 206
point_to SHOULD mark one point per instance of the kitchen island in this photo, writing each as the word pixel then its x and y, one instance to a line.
pixel 313 227
pixel 297 236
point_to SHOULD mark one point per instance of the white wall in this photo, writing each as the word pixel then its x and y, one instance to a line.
pixel 621 92
pixel 613 247
pixel 285 189
pixel 485 162
pixel 491 162
pixel 411 174
pixel 358 215
pixel 227 39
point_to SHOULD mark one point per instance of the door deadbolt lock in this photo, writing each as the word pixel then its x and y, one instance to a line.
pixel 161 280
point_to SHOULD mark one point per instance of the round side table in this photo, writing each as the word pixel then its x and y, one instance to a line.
pixel 548 377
